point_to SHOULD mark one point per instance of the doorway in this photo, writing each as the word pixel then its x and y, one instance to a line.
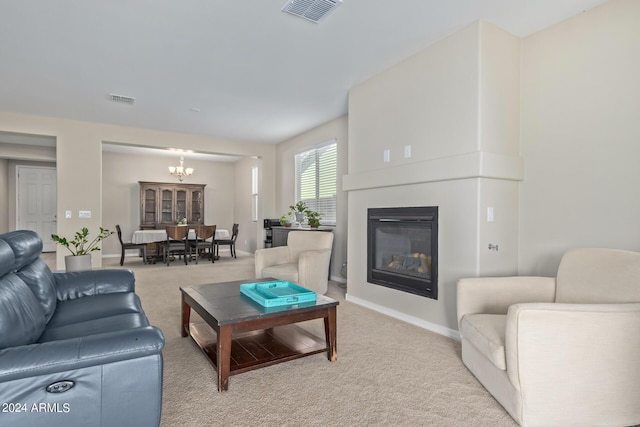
pixel 36 201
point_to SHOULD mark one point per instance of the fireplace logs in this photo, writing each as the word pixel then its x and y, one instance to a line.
pixel 416 263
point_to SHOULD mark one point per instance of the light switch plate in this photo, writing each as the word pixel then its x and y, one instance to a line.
pixel 490 217
pixel 386 155
pixel 84 214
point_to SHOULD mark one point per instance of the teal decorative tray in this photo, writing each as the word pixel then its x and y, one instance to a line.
pixel 276 293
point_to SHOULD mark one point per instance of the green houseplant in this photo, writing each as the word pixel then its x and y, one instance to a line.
pixel 81 247
pixel 285 220
pixel 299 210
pixel 313 218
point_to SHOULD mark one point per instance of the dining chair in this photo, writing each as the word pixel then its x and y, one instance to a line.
pixel 177 242
pixel 205 238
pixel 128 245
pixel 231 242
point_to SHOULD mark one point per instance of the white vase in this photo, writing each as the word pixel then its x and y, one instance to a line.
pixel 77 262
pixel 299 216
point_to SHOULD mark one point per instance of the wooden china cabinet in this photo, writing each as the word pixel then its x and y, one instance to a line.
pixel 164 203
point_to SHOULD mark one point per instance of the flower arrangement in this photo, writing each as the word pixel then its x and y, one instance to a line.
pixel 80 244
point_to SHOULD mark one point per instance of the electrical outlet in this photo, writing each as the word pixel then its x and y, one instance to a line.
pixel 67 214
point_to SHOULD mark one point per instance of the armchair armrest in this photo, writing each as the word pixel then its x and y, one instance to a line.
pixel 270 256
pixel 494 295
pixel 313 269
pixel 64 355
pixel 94 282
pixel 572 358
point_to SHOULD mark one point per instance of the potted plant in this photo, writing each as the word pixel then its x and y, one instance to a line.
pixel 285 220
pixel 299 209
pixel 313 218
pixel 81 247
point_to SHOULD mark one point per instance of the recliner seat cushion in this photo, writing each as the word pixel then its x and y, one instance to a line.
pixel 94 307
pixel 487 334
pixel 21 315
pixel 94 326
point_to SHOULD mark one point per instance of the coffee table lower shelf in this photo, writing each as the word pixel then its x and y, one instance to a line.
pixel 258 349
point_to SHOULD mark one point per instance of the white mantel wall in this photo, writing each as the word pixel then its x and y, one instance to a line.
pixel 456 104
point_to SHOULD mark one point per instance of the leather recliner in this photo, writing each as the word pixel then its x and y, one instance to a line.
pixel 76 349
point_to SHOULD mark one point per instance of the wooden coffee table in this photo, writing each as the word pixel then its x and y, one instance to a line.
pixel 239 335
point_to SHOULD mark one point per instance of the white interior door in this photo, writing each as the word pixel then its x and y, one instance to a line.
pixel 36 193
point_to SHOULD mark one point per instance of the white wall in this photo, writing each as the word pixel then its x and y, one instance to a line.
pixel 4 195
pixel 581 136
pixel 456 104
pixel 250 233
pixel 121 192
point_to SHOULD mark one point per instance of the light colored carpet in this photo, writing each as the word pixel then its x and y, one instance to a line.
pixel 388 372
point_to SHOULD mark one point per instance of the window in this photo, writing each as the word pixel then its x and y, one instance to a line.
pixel 254 193
pixel 316 171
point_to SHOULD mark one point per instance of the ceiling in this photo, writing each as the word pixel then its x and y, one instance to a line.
pixel 235 69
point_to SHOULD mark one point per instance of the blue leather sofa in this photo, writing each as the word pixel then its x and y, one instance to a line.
pixel 76 349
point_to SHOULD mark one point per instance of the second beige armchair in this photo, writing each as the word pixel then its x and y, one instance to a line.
pixel 559 351
pixel 305 260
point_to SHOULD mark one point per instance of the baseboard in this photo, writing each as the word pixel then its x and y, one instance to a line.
pixel 438 329
pixel 338 279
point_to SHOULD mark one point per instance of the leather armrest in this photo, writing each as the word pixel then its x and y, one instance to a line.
pixel 94 282
pixel 270 256
pixel 60 356
pixel 494 295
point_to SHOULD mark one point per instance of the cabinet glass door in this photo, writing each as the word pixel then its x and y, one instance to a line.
pixel 166 209
pixel 150 206
pixel 181 204
pixel 196 207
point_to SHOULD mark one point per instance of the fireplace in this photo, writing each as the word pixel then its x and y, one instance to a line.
pixel 402 249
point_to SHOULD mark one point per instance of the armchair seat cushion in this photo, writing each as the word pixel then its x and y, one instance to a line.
pixel 486 333
pixel 288 271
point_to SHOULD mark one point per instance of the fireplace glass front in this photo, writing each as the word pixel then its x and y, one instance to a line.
pixel 403 249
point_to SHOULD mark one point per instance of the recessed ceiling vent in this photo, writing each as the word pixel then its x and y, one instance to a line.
pixel 311 10
pixel 121 99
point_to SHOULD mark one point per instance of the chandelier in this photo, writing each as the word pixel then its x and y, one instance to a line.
pixel 180 171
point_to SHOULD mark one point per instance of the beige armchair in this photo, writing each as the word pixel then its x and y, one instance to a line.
pixel 305 260
pixel 559 351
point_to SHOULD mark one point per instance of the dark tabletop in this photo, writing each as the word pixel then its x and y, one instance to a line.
pixel 226 304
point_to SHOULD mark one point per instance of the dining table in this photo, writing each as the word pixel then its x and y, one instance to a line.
pixel 155 236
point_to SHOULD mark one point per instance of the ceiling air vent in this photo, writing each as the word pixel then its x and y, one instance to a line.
pixel 121 99
pixel 311 10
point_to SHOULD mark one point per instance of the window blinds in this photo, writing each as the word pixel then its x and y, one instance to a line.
pixel 316 183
